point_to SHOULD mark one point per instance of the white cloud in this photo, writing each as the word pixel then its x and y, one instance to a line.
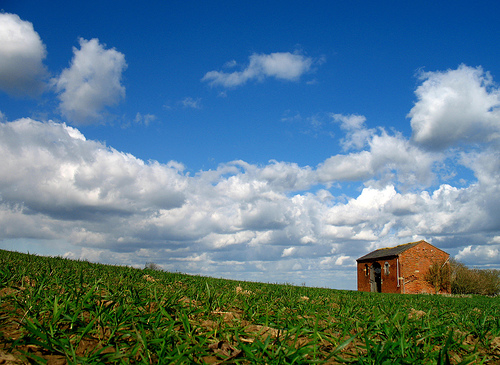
pixel 388 158
pixel 145 119
pixel 455 107
pixel 21 53
pixel 280 65
pixel 288 251
pixel 341 259
pixel 91 83
pixel 485 164
pixel 191 103
pixel 358 135
pixel 352 167
pixel 479 255
pixel 64 176
pixel 278 221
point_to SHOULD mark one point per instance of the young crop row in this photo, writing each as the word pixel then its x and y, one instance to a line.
pixel 58 311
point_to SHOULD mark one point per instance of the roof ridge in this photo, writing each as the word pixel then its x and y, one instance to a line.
pixel 403 244
pixel 390 251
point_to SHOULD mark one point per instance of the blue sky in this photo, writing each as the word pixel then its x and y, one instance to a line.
pixel 261 141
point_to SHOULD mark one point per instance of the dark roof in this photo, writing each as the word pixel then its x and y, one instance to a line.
pixel 388 252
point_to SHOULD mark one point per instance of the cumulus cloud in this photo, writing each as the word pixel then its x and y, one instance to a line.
pixel 114 207
pixel 456 107
pixel 64 176
pixel 386 157
pixel 480 254
pixel 273 222
pixel 357 135
pixel 22 53
pixel 91 83
pixel 280 65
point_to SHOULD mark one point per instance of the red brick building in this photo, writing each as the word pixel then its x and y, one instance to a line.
pixel 400 269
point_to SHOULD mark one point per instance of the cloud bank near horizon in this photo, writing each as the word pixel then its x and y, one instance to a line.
pixel 276 220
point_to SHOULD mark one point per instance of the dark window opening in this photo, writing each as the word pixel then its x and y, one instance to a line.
pixel 386 268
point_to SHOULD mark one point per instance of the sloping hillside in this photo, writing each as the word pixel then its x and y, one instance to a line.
pixel 58 311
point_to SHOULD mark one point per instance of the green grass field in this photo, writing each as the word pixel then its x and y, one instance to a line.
pixel 59 311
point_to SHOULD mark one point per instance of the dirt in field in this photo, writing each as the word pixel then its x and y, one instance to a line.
pixel 416 314
pixel 240 290
pixel 11 330
pixel 495 346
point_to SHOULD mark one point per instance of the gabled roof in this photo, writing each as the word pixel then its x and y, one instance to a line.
pixel 388 252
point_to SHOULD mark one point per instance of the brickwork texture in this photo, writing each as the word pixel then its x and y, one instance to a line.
pixel 403 273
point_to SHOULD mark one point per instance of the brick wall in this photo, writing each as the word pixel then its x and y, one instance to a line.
pixel 414 264
pixel 363 276
pixel 389 281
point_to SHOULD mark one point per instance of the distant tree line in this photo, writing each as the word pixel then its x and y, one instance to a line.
pixel 463 280
pixel 473 281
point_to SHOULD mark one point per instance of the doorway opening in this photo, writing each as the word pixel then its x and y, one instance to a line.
pixel 376 278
